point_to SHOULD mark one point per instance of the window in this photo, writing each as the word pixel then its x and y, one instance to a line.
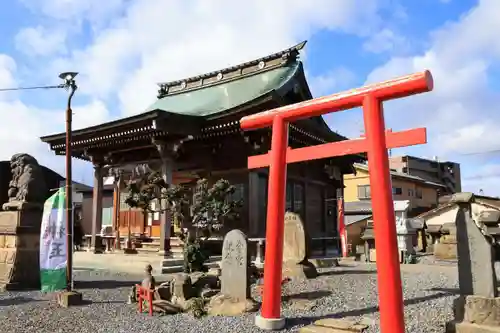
pixel 262 189
pixel 289 194
pixel 315 225
pixel 364 192
pixel 418 193
pixel 123 197
pixel 397 190
pixel 295 197
pixel 410 192
pixel 298 199
pixel 239 192
pixel 107 216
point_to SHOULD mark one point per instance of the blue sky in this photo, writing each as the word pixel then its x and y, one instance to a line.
pixel 123 47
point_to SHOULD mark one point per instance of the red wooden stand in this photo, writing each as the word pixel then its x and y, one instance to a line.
pixel 376 144
pixel 144 294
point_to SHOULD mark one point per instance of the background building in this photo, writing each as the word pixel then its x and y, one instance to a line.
pixel 422 194
pixel 444 173
pixel 192 131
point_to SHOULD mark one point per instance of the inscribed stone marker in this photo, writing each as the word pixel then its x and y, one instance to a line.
pixel 234 266
pixel 294 242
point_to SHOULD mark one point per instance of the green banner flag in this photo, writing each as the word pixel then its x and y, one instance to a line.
pixel 53 243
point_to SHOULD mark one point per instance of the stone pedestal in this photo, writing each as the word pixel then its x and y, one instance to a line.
pixel 222 305
pixel 447 250
pixel 475 314
pixel 20 249
pixel 478 307
pixel 305 270
pixel 69 298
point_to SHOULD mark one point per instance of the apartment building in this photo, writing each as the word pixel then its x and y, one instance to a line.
pixel 441 172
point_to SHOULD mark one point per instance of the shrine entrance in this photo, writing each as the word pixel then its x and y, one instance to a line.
pixel 375 142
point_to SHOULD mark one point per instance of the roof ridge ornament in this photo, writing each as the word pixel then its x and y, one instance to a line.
pixel 275 60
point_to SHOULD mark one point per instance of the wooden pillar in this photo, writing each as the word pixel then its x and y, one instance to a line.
pixel 167 166
pixel 253 203
pixel 116 210
pixel 166 217
pixel 96 208
pixel 341 229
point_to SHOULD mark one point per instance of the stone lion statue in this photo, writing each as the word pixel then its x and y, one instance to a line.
pixel 27 184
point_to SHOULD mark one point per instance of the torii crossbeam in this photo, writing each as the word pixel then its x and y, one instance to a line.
pixel 375 144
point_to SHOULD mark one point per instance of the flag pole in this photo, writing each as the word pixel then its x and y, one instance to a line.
pixel 72 246
pixel 69 190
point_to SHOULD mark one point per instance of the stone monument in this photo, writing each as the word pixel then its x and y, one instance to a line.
pixel 477 309
pixel 20 223
pixel 234 298
pixel 295 249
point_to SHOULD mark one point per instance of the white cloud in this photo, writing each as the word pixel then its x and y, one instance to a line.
pixel 24 124
pixel 184 38
pixel 461 97
pixel 7 67
pixel 38 41
pixel 461 111
pixel 386 40
pixel 330 81
pixel 468 139
pixel 485 180
pixel 134 44
pixel 76 11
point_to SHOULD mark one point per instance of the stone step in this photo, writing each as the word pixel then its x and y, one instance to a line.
pixel 177 265
pixel 318 262
pixel 174 241
pixel 147 249
pixel 331 325
pixel 464 327
pixel 155 244
pixel 180 261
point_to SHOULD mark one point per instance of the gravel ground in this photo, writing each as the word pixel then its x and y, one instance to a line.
pixel 342 292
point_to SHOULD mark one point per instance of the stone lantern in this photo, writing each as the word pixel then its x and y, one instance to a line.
pixel 405 232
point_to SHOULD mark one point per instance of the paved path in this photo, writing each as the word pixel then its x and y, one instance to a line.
pixel 135 263
pixel 116 262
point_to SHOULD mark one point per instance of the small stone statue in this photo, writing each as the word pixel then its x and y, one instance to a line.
pixel 149 281
pixel 132 296
pixel 27 186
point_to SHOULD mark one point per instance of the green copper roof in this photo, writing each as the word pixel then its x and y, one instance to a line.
pixel 218 98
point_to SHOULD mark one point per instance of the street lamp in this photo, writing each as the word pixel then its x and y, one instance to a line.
pixel 70 85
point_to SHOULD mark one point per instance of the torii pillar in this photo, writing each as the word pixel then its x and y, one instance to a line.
pixel 376 144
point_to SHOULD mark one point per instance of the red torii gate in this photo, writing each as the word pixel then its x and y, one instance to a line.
pixel 376 143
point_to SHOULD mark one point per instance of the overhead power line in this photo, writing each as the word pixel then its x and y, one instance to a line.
pixel 493 151
pixel 33 88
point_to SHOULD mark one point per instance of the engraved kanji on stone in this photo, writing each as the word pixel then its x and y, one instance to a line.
pixel 235 278
pixel 239 255
pixel 229 251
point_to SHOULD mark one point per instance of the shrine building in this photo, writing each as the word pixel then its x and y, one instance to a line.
pixel 192 131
